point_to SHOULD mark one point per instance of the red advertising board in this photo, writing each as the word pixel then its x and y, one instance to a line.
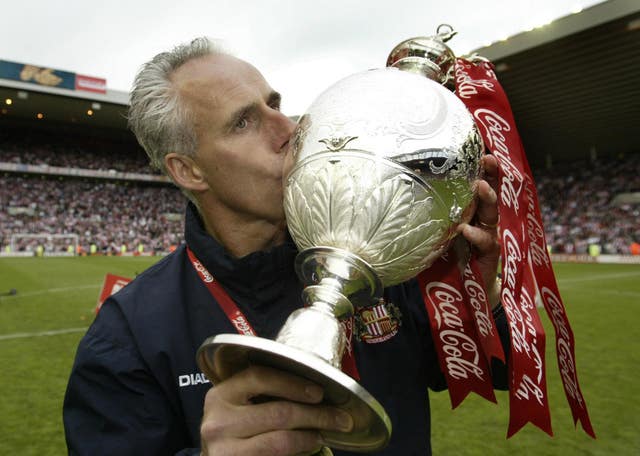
pixel 112 284
pixel 91 84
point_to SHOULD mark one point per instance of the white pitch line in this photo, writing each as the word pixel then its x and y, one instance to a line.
pixel 54 332
pixel 49 290
pixel 633 294
pixel 589 278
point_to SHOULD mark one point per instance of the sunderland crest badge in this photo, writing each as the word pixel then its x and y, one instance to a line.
pixel 377 323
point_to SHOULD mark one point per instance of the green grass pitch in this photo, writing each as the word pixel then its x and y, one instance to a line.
pixel 41 325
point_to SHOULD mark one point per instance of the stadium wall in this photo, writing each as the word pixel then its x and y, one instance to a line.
pixel 555 258
pixel 605 259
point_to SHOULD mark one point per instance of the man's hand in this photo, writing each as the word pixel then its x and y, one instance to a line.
pixel 483 234
pixel 288 424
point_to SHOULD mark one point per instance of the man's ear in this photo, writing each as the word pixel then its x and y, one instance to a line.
pixel 185 172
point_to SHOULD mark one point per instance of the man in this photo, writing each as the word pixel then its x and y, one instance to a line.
pixel 213 124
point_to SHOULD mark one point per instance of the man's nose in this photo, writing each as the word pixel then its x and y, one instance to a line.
pixel 283 128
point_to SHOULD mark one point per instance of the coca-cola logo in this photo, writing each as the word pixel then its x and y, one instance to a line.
pixel 528 384
pixel 493 126
pixel 513 257
pixel 203 272
pixel 461 352
pixel 558 315
pixel 466 86
pixel 535 231
pixel 566 362
pixel 511 183
pixel 458 363
pixel 242 325
pixel 478 301
pixel 512 261
pixel 517 327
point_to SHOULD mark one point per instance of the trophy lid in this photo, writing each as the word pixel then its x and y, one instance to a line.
pixel 429 56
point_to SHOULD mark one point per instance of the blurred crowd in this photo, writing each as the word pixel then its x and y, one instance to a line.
pixel 579 208
pixel 578 202
pixel 109 217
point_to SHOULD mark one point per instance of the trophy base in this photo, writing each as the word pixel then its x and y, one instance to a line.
pixel 222 356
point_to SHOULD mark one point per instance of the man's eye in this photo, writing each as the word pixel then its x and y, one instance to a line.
pixel 242 124
pixel 276 106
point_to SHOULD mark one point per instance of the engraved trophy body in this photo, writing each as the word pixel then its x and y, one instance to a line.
pixel 384 165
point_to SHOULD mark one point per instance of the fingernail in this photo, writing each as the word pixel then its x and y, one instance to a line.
pixel 318 450
pixel 314 392
pixel 344 421
pixel 323 451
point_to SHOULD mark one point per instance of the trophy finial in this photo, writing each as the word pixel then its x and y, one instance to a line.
pixel 445 32
pixel 428 56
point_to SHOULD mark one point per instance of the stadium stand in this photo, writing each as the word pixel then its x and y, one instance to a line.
pixel 110 208
pixel 115 216
pixel 579 205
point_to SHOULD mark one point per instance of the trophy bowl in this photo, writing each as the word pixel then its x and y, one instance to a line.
pixel 381 170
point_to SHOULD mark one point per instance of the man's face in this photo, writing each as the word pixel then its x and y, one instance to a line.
pixel 242 136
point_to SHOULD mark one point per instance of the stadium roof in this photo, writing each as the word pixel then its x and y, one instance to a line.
pixel 573 86
pixel 63 106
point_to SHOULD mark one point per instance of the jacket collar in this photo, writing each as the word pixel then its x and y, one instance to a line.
pixel 259 275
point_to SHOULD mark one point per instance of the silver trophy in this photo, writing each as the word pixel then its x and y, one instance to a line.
pixel 385 164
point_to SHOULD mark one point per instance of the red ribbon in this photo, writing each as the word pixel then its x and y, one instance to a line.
pixel 476 298
pixel 525 260
pixel 460 353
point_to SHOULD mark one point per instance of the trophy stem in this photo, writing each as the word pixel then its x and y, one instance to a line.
pixel 338 278
pixel 317 331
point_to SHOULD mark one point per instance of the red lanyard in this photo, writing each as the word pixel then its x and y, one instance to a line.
pixel 241 323
pixel 234 314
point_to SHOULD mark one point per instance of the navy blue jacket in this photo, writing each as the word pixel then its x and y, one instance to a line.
pixel 135 387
